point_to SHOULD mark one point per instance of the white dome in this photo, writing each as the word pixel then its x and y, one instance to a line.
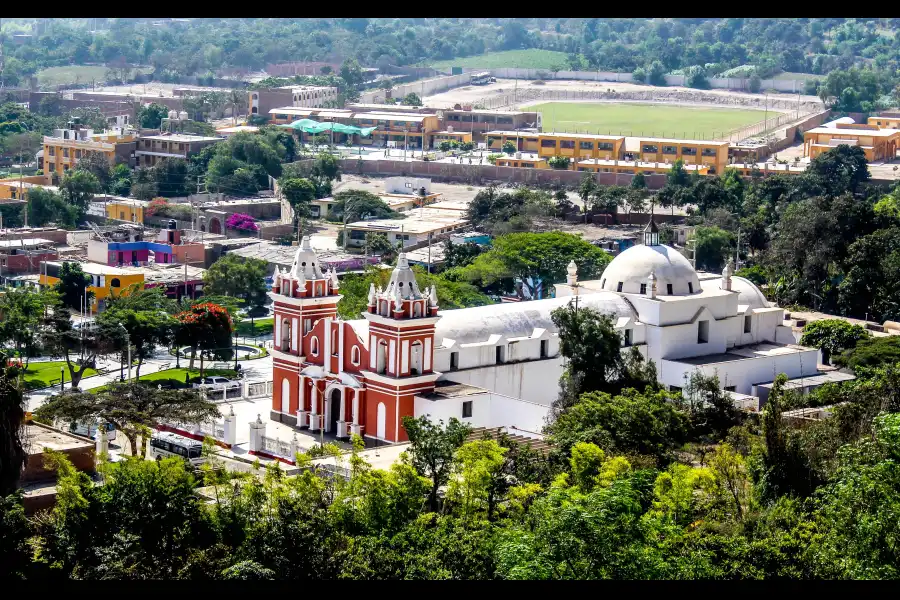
pixel 749 294
pixel 632 268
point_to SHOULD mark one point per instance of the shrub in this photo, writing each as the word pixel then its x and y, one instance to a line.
pixel 242 222
pixel 639 75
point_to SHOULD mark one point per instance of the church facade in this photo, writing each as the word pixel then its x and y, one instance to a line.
pixel 499 365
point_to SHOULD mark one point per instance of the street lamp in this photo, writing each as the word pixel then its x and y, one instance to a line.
pixel 128 342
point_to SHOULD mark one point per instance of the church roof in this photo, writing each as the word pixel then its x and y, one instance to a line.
pixel 632 268
pixel 518 319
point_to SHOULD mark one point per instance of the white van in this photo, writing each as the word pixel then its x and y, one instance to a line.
pixel 90 430
pixel 165 444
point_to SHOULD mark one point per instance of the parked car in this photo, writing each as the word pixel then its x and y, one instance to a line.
pixel 217 382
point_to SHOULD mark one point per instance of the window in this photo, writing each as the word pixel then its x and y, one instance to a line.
pixel 674 388
pixel 545 348
pixel 650 148
pixel 689 152
pixel 454 361
pixel 643 288
pixel 65 153
pixel 669 289
pixel 307 326
pixel 604 146
pixel 467 409
pixel 115 283
pixel 77 153
pixel 730 388
pixel 709 152
pixel 703 332
pixel 747 324
pixel 52 150
pixel 501 354
pixel 628 341
pixel 314 346
pixel 670 149
pixel 619 287
pixel 586 145
pixel 548 143
pixel 354 356
pixel 690 287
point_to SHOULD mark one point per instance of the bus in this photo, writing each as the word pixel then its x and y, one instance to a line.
pixel 165 444
pixel 90 430
pixel 482 78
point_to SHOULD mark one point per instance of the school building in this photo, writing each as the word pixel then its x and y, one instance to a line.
pixel 877 144
pixel 579 146
pixel 713 155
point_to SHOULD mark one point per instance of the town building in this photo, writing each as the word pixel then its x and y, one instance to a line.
pixel 480 121
pixel 106 281
pixel 127 247
pixel 17 190
pixel 631 167
pixel 693 152
pixel 118 208
pixel 25 255
pixel 153 148
pixel 227 132
pixel 264 100
pixel 67 146
pixel 37 480
pixel 877 144
pixel 499 365
pixel 522 140
pixel 579 146
pixel 525 160
pixel 420 226
pixel 886 120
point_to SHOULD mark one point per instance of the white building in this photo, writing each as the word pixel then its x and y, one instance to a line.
pixel 499 365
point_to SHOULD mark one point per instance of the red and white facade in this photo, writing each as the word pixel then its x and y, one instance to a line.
pixel 350 377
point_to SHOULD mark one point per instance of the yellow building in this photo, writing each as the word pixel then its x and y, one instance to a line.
pixel 532 161
pixel 17 189
pixel 631 167
pixel 67 146
pixel 106 281
pixel 885 122
pixel 450 136
pixel 693 152
pixel 877 144
pixel 126 209
pixel 524 141
pixel 580 145
pixel 764 168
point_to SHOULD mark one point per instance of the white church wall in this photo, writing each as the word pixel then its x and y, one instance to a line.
pixel 680 341
pixel 488 410
pixel 535 380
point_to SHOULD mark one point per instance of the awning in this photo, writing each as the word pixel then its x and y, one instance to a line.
pixel 310 126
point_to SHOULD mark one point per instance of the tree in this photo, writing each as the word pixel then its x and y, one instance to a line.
pixel 412 99
pixel 78 189
pixel 559 162
pixel 678 175
pixel 832 336
pixel 205 326
pixel 431 450
pixel 656 74
pixel 12 414
pixel 870 353
pixel 72 286
pixel 142 313
pixel 635 201
pixel 712 246
pixel 591 346
pixel 300 192
pixel 97 164
pixel 538 259
pixel 171 176
pixel 150 116
pixel 132 407
pixel 638 182
pixel 79 348
pixel 241 222
pixel 478 482
pixel 841 169
pixel 755 83
pixel 143 186
pixel 355 205
pixel 509 147
pixel 243 278
pixel 21 311
pixel 46 206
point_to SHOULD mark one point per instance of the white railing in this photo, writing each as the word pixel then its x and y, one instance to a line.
pixel 258 389
pixel 276 447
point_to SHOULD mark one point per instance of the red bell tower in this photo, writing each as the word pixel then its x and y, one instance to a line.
pixel 302 296
pixel 401 351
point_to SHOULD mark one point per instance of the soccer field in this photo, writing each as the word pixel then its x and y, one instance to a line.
pixel 648 120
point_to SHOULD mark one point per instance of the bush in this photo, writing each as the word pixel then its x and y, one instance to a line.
pixel 656 74
pixel 696 78
pixel 811 87
pixel 639 75
pixel 755 83
pixel 871 353
pixel 559 162
pixel 492 158
pixel 509 147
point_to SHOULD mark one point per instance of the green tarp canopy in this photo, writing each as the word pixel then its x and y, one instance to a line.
pixel 310 126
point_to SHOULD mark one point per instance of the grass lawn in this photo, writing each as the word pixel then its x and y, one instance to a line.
pixel 648 120
pixel 41 374
pixel 178 374
pixel 532 58
pixel 53 76
pixel 262 326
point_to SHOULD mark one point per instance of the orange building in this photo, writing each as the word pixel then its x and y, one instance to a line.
pixel 580 146
pixel 877 144
pixel 693 152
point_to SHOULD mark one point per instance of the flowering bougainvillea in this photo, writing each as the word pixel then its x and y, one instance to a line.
pixel 241 222
pixel 206 326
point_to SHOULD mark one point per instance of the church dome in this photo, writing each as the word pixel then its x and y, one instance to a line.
pixel 749 294
pixel 632 268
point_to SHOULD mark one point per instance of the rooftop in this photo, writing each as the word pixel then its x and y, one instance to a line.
pixel 587 136
pixel 857 132
pixel 25 243
pixel 451 389
pixel 816 380
pixel 181 137
pixel 92 268
pixel 637 164
pixel 676 141
pixel 166 272
pixel 38 436
pixel 519 133
pixel 744 352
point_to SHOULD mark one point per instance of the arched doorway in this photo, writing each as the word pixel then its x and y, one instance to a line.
pixel 381 421
pixel 285 395
pixel 415 358
pixel 334 409
pixel 215 226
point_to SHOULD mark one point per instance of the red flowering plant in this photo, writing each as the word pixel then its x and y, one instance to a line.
pixel 207 327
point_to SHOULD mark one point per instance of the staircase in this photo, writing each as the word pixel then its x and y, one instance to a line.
pixel 493 433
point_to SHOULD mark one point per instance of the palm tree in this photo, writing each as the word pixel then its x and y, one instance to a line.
pixel 238 100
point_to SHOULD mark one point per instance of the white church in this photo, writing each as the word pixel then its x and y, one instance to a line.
pixel 499 365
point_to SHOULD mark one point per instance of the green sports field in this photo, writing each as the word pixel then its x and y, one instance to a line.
pixel 649 120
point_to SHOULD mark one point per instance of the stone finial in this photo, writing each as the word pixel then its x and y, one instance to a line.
pixel 433 296
pixel 231 410
pixel 398 305
pixel 727 272
pixel 572 273
pixel 258 419
pixel 651 281
pixel 402 262
pixel 372 294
